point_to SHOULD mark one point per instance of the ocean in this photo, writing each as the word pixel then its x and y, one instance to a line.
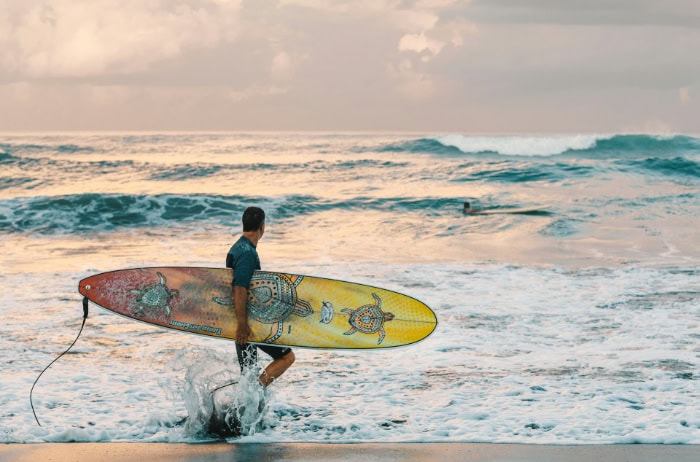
pixel 578 323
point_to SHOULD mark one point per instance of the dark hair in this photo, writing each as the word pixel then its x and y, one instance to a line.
pixel 253 219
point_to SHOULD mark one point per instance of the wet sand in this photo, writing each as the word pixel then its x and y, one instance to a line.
pixel 220 452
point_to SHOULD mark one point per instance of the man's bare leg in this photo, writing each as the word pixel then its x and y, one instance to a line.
pixel 276 368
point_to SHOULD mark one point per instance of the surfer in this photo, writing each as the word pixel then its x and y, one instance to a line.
pixel 541 210
pixel 243 258
pixel 468 210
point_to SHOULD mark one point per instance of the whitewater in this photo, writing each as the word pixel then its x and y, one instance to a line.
pixel 576 324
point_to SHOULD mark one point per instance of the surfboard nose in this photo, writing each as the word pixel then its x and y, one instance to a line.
pixel 85 285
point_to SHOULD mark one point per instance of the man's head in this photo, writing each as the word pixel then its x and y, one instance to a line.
pixel 253 219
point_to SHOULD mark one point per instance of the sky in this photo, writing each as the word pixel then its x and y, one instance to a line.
pixel 460 66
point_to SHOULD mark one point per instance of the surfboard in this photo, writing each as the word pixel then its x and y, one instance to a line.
pixel 283 309
pixel 512 211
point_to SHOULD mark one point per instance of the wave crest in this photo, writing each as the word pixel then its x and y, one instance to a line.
pixel 98 212
pixel 547 145
pixel 86 213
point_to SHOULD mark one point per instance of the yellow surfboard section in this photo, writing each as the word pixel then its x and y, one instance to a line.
pixel 283 309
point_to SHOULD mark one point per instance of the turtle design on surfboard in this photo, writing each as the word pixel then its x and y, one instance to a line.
pixel 154 296
pixel 368 319
pixel 273 298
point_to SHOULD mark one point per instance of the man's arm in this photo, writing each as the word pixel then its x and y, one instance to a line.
pixel 240 300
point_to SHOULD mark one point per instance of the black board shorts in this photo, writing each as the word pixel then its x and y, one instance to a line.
pixel 248 353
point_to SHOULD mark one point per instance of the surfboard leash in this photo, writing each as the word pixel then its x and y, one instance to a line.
pixel 222 386
pixel 85 315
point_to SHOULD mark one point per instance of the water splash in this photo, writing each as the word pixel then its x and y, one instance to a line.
pixel 219 402
pixel 250 403
pixel 204 371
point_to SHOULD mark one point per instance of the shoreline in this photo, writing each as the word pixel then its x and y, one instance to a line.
pixel 360 452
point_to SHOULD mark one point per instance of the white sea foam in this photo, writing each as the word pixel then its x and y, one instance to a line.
pixel 520 355
pixel 521 145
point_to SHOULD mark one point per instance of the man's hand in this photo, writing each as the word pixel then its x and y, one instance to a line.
pixel 242 333
pixel 240 298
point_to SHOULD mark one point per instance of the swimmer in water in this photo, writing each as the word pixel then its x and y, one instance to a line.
pixel 468 210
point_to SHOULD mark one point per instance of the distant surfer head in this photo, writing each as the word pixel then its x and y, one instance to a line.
pixel 253 219
pixel 469 210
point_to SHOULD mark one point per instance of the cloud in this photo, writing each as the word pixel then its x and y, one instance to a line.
pixel 420 43
pixel 412 20
pixel 683 13
pixel 74 38
pixel 438 31
pixel 450 34
pixel 286 64
pixel 410 83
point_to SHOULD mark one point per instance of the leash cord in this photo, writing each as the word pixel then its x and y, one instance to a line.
pixel 85 314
